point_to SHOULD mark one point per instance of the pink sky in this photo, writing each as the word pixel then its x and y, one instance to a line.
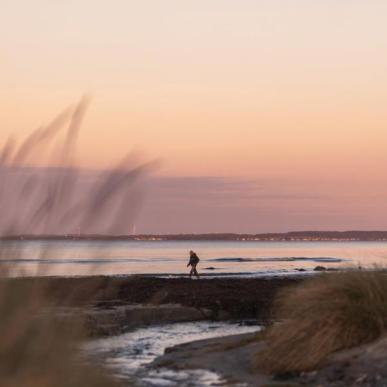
pixel 289 95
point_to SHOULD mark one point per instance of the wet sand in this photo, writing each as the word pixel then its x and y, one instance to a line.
pixel 224 297
pixel 125 303
pixel 230 357
pixel 114 305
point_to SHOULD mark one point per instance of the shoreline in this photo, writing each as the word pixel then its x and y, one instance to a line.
pixel 113 305
pixel 264 275
pixel 291 236
pixel 216 294
pixel 116 305
pixel 230 357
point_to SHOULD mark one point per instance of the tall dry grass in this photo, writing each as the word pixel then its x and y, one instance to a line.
pixel 37 347
pixel 326 314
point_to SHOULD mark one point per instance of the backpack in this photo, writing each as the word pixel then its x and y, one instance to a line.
pixel 195 259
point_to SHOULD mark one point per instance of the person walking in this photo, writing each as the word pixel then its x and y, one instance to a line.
pixel 193 262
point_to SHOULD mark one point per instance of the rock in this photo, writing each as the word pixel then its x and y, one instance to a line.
pixel 320 268
pixel 363 366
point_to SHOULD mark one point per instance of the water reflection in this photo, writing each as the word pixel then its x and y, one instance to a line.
pixel 128 355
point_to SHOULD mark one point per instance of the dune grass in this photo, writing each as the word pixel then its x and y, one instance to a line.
pixel 331 312
pixel 38 348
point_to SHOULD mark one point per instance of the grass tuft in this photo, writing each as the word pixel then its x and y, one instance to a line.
pixel 326 314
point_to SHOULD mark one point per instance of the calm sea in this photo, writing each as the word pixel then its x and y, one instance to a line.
pixel 69 258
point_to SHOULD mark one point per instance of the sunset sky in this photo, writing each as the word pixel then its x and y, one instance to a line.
pixel 267 115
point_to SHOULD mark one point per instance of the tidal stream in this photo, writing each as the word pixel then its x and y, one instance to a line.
pixel 128 356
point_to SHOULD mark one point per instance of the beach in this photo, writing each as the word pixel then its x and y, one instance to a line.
pixel 150 324
pixel 111 307
pixel 217 298
pixel 152 331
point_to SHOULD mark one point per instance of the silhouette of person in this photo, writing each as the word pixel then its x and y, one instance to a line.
pixel 193 261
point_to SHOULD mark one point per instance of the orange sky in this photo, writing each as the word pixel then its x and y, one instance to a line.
pixel 212 87
pixel 292 89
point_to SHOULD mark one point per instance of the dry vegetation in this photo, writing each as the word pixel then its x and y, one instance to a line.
pixel 37 348
pixel 332 312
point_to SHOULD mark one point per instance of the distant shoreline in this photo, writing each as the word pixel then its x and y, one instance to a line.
pixel 294 236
